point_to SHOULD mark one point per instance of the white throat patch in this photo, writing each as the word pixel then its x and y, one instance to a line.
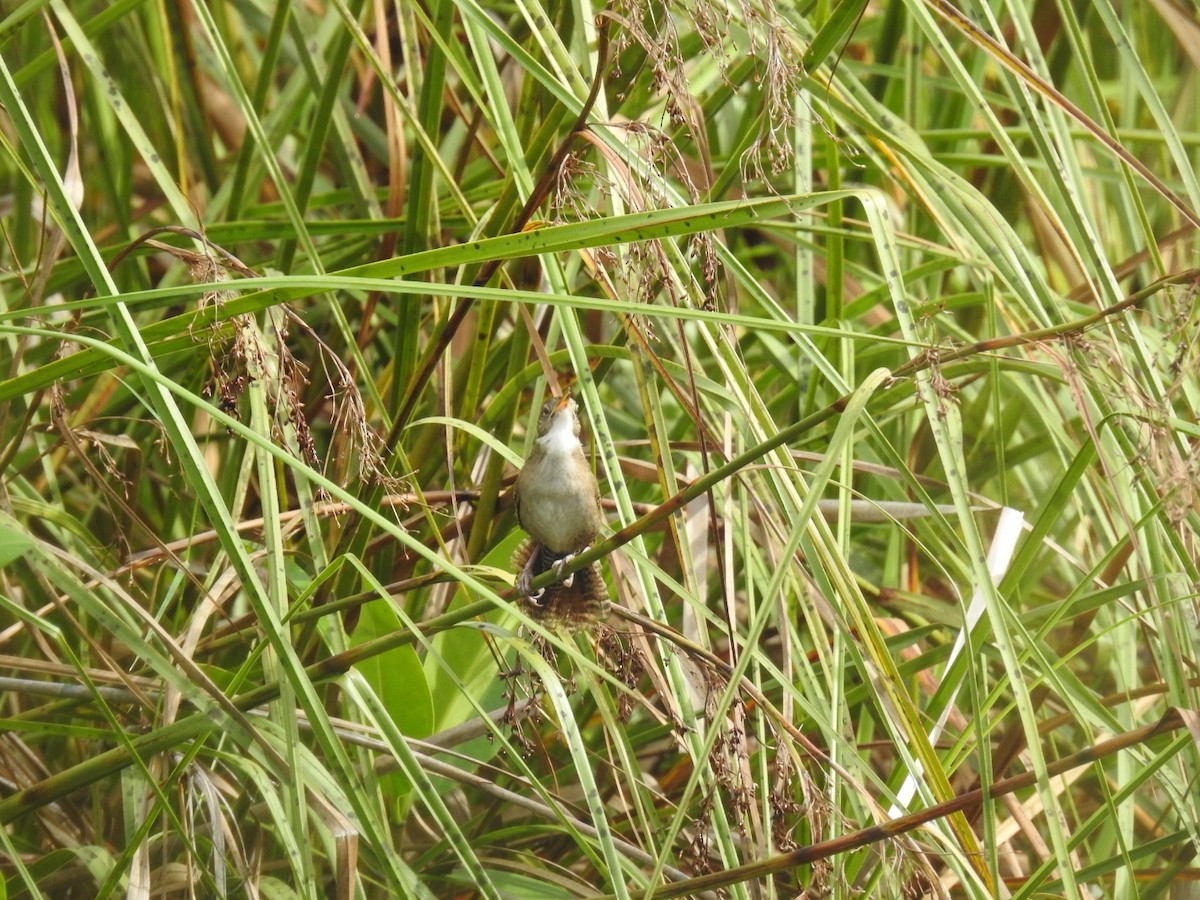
pixel 561 437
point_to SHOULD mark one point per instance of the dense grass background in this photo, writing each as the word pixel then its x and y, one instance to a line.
pixel 883 317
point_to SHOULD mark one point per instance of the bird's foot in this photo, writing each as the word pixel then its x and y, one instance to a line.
pixel 557 567
pixel 525 579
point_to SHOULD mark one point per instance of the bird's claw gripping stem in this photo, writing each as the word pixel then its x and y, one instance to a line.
pixel 558 566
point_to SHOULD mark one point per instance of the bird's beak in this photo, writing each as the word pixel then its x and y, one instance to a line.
pixel 563 402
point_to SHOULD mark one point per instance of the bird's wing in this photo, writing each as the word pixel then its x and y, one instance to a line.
pixel 517 502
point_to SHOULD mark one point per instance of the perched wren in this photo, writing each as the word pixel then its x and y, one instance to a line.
pixel 558 504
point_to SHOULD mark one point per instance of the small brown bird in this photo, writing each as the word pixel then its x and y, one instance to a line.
pixel 558 504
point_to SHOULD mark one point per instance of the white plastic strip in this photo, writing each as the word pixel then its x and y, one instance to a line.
pixel 1000 554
